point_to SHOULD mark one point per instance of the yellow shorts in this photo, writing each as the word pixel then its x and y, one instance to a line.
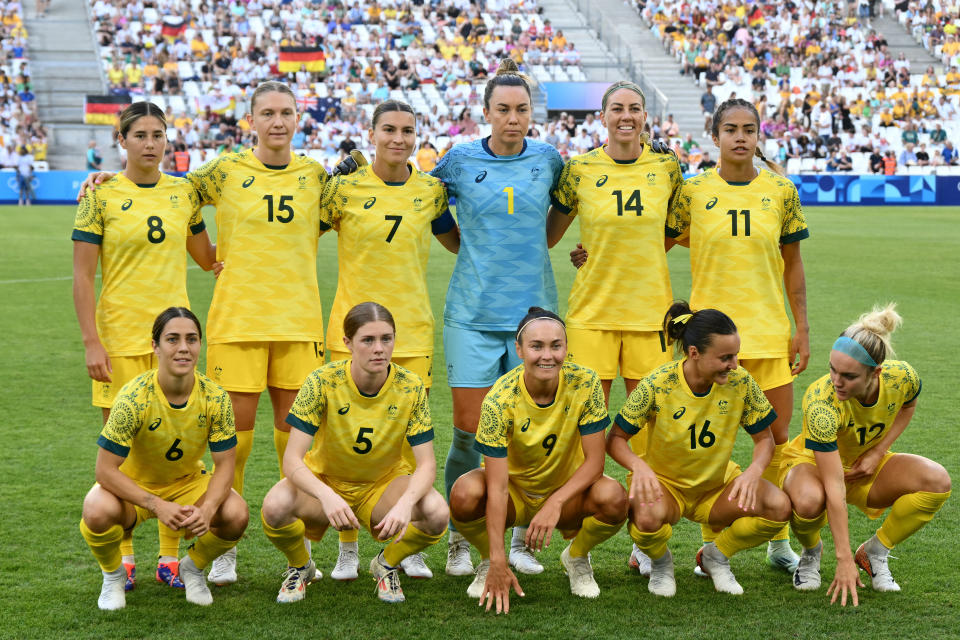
pixel 695 504
pixel 857 491
pixel 362 496
pixel 253 366
pixel 525 505
pixel 420 365
pixel 186 490
pixel 125 369
pixel 634 353
pixel 769 373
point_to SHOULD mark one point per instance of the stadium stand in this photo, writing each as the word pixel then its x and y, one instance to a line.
pixel 20 126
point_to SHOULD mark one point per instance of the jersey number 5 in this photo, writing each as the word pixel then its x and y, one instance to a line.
pixel 365 443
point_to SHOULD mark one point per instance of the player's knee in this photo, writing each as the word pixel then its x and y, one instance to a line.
pixel 467 498
pixel 810 502
pixel 611 500
pixel 101 509
pixel 936 479
pixel 236 515
pixel 646 519
pixel 436 513
pixel 277 505
pixel 777 504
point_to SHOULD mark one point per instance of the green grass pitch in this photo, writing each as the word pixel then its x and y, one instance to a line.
pixel 855 257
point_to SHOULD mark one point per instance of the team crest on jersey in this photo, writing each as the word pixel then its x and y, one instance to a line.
pixel 712 203
pixel 155 424
pixel 480 176
pixel 217 372
pixel 202 421
pixel 535 173
pixel 765 201
pixel 602 180
pixel 174 201
pixel 891 407
pixel 248 182
pixel 722 407
pixel 651 178
pixel 369 203
pixel 679 413
pixel 303 182
pixel 392 412
pixel 126 204
pixel 417 204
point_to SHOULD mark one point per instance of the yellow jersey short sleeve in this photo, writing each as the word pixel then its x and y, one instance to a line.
pixel 268 222
pixel 736 232
pixel 541 444
pixel 359 438
pixel 623 208
pixel 142 232
pixel 163 443
pixel 690 437
pixel 850 427
pixel 384 232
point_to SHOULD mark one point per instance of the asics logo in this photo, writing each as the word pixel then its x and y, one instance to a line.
pixel 602 181
pixel 343 410
pixel 155 424
pixel 526 425
pixel 679 413
pixel 480 176
pixel 369 203
pixel 248 182
pixel 712 203
pixel 126 204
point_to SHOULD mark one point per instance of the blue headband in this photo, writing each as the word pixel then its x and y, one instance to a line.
pixel 853 349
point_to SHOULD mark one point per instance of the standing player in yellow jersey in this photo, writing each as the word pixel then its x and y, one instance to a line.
pixel 344 464
pixel 851 418
pixel 744 226
pixel 384 215
pixel 137 225
pixel 689 412
pixel 541 435
pixel 150 463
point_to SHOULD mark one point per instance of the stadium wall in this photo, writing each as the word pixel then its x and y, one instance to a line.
pixel 60 187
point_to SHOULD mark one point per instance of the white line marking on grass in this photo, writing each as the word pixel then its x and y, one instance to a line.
pixel 56 279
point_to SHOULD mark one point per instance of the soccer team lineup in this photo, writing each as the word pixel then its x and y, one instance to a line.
pixel 350 386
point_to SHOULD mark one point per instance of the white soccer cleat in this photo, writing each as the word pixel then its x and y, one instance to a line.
pixel 807 575
pixel 876 566
pixel 717 566
pixel 640 562
pixel 388 580
pixel 348 562
pixel 475 590
pixel 582 582
pixel 415 566
pixel 223 570
pixel 112 593
pixel 194 582
pixel 521 556
pixel 662 581
pixel 458 556
pixel 295 580
pixel 781 556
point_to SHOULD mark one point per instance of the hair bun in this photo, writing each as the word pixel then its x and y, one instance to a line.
pixel 508 65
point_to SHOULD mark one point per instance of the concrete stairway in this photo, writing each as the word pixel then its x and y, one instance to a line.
pixel 899 40
pixel 65 67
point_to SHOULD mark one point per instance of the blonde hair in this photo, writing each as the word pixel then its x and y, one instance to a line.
pixel 872 330
pixel 271 86
pixel 632 86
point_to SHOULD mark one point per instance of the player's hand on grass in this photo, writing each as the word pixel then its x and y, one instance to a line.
pixel 845 581
pixel 645 486
pixel 799 352
pixel 92 181
pixel 496 590
pixel 744 489
pixel 395 522
pixel 338 512
pixel 98 362
pixel 541 527
pixel 578 257
pixel 865 466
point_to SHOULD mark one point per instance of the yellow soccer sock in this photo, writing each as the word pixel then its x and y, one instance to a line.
pixel 169 541
pixel 208 547
pixel 289 540
pixel 126 544
pixel 908 515
pixel 476 534
pixel 808 530
pixel 652 543
pixel 105 546
pixel 592 533
pixel 244 445
pixel 772 474
pixel 707 533
pixel 280 439
pixel 349 535
pixel 413 540
pixel 746 532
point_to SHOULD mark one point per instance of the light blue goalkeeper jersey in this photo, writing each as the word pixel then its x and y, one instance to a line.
pixel 503 267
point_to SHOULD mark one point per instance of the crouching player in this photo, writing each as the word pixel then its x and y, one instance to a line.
pixel 851 417
pixel 149 463
pixel 689 412
pixel 356 413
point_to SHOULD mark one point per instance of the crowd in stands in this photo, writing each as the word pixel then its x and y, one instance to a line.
pixel 436 56
pixel 23 140
pixel 934 25
pixel 830 94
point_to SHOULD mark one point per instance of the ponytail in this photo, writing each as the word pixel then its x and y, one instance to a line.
pixel 688 328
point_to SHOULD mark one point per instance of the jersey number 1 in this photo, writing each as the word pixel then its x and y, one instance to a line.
pixel 509 192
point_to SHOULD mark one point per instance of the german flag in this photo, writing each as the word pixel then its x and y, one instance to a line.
pixel 173 27
pixel 103 109
pixel 292 57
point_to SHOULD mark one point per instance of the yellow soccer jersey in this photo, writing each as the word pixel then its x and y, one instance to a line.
pixel 541 444
pixel 689 437
pixel 625 285
pixel 736 231
pixel 142 233
pixel 357 438
pixel 162 443
pixel 848 426
pixel 383 242
pixel 268 221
